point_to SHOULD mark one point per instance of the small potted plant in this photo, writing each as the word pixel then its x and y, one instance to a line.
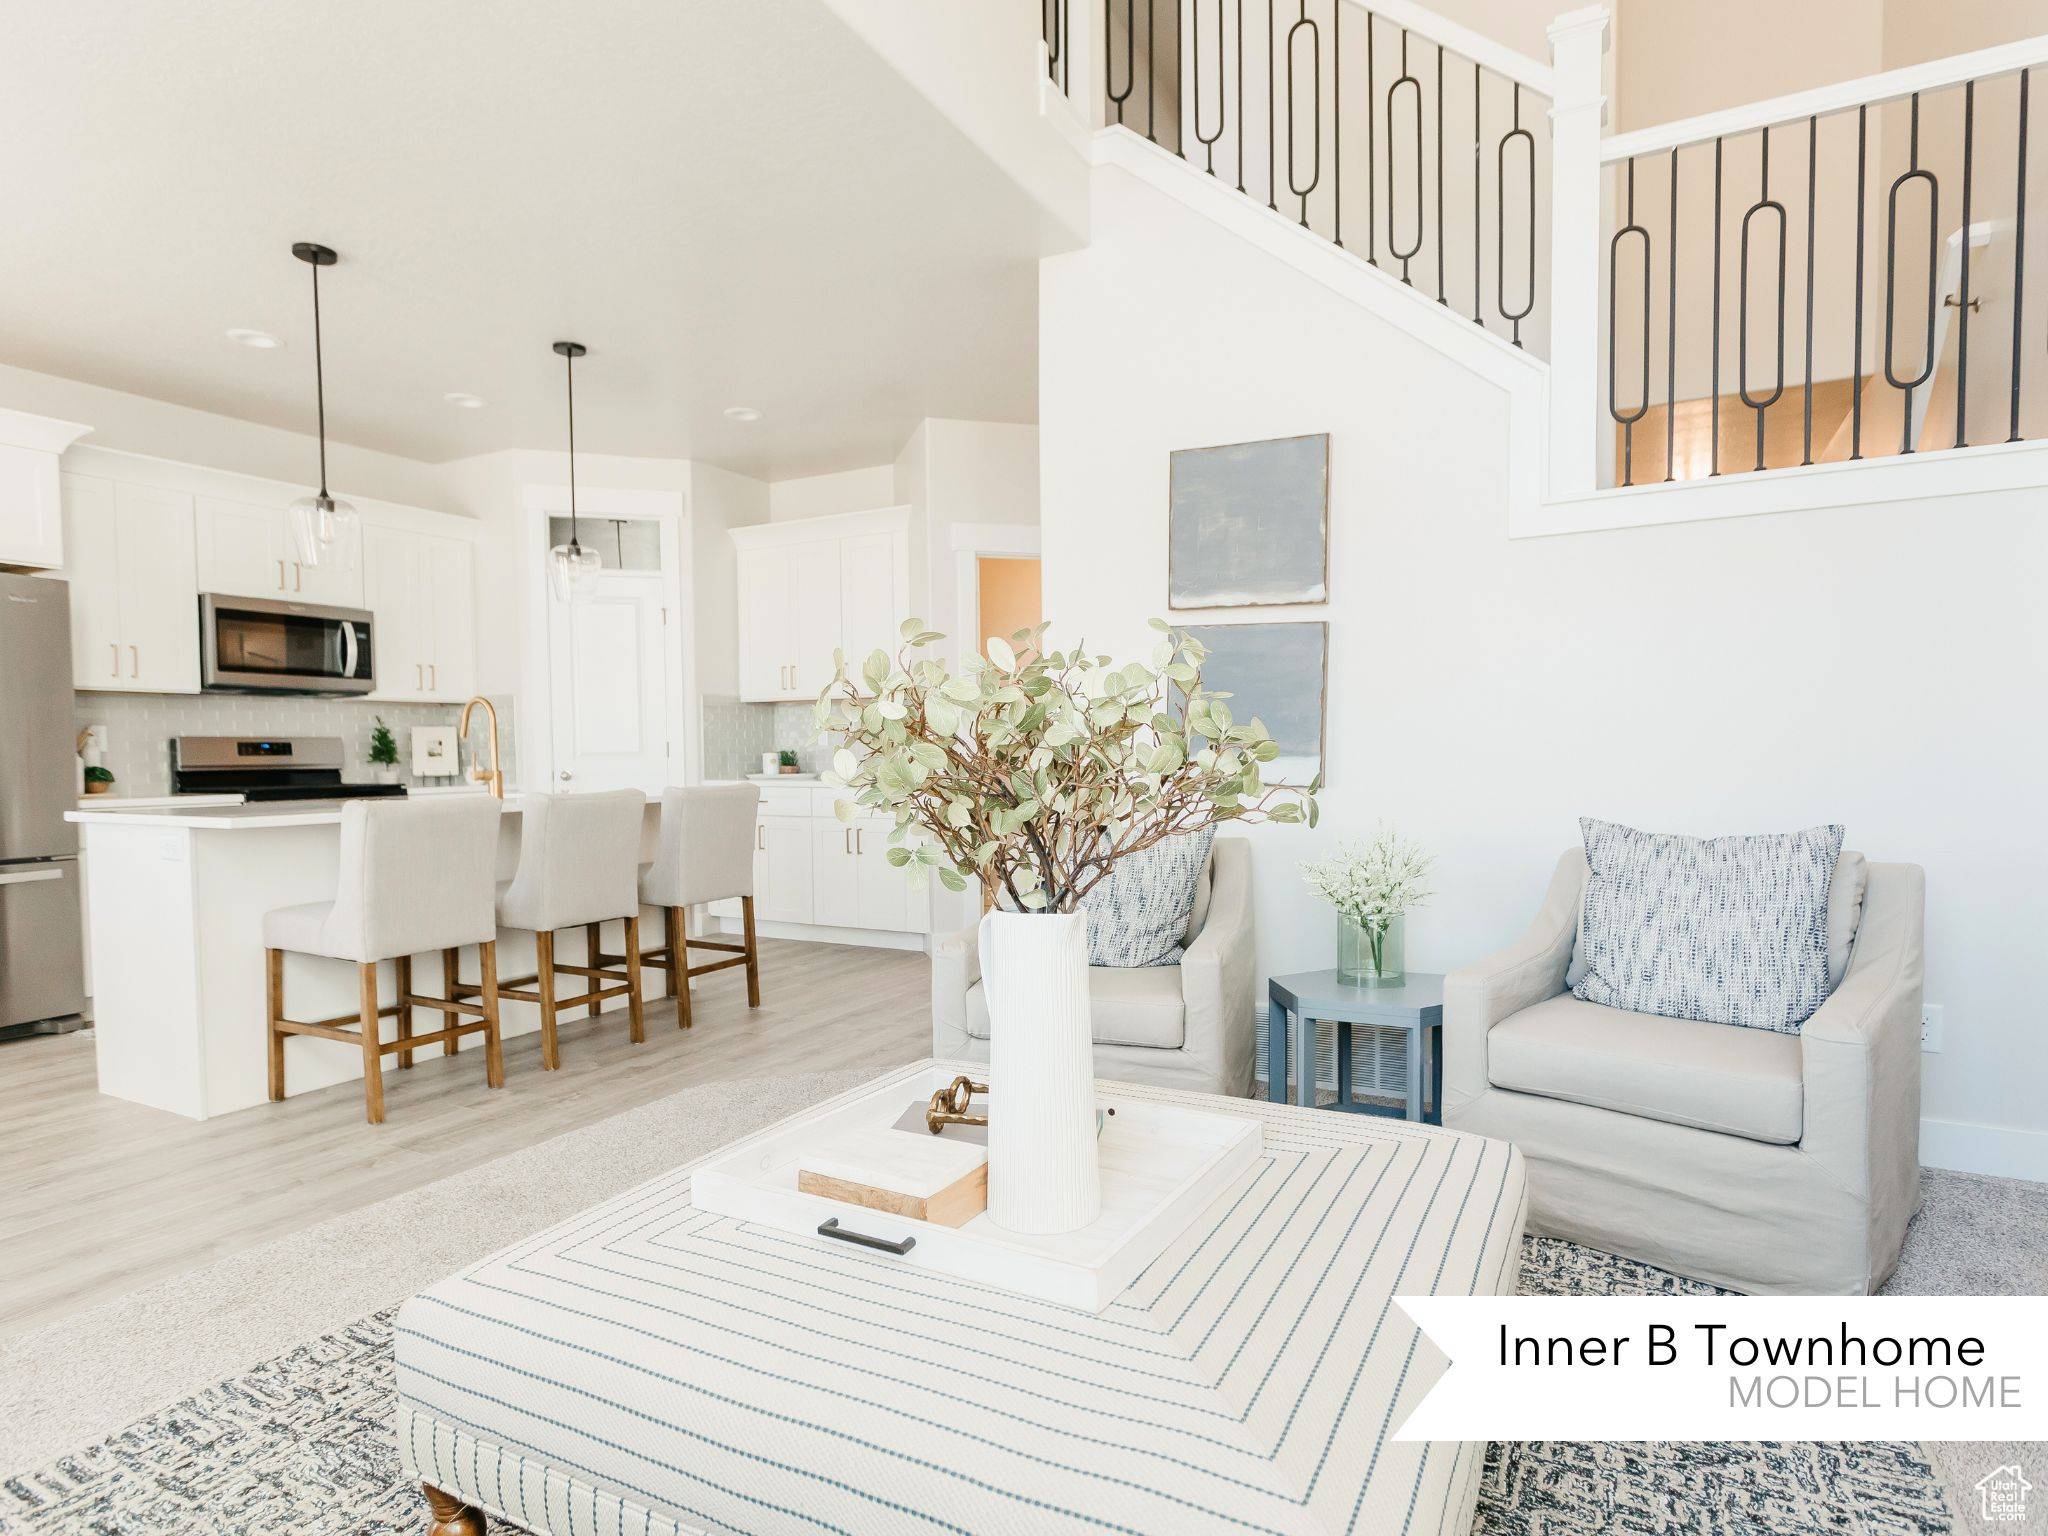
pixel 384 752
pixel 98 780
pixel 786 761
pixel 1372 885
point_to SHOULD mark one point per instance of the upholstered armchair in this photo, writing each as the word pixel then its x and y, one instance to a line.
pixel 1179 1026
pixel 1757 1161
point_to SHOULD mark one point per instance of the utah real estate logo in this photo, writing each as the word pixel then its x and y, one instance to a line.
pixel 2003 1491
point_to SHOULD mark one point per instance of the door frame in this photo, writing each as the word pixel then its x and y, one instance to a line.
pixel 971 541
pixel 535 723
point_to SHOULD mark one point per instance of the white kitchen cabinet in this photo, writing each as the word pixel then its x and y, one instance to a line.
pixel 421 593
pixel 134 587
pixel 853 883
pixel 812 587
pixel 783 869
pixel 31 500
pixel 250 551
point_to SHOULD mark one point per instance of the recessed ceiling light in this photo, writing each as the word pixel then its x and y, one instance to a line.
pixel 263 341
pixel 467 402
pixel 741 413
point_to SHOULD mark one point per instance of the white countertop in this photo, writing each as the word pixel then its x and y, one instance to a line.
pixel 230 813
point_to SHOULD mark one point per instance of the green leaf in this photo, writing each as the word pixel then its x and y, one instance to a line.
pixel 999 652
pixel 899 856
pixel 951 880
pixel 910 627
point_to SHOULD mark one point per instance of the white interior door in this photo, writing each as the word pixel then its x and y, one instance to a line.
pixel 611 684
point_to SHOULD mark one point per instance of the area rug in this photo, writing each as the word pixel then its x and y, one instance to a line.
pixel 303 1444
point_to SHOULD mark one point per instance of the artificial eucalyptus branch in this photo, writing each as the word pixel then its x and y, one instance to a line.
pixel 1034 772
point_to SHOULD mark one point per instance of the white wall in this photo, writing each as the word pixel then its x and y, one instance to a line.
pixel 959 475
pixel 139 424
pixel 719 502
pixel 1876 666
pixel 848 490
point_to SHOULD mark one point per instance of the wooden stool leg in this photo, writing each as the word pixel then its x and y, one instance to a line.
pixel 544 956
pixel 451 973
pixel 671 925
pixel 633 1005
pixel 753 953
pixel 373 1058
pixel 449 1516
pixel 679 958
pixel 273 968
pixel 591 948
pixel 494 1054
pixel 403 965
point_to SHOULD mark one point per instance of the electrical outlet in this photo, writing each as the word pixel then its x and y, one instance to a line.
pixel 1930 1027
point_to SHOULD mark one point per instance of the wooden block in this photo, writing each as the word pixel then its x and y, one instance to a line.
pixel 916 1175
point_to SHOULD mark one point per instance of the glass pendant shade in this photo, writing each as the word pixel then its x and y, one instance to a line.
pixel 571 569
pixel 325 530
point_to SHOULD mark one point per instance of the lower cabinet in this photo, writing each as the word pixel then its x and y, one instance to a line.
pixel 812 868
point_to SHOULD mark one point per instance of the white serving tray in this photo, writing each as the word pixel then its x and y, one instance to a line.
pixel 1162 1166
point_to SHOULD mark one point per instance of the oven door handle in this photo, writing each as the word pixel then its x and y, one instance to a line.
pixel 349 652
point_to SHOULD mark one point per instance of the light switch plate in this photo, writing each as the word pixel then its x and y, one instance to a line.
pixel 1930 1027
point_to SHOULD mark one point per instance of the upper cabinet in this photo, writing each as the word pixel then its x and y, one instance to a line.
pixel 249 551
pixel 809 588
pixel 31 505
pixel 421 591
pixel 134 587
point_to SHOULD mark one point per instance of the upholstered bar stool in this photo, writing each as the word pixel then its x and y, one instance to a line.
pixel 416 876
pixel 579 862
pixel 706 853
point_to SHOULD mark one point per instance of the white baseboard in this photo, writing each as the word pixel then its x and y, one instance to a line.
pixel 813 933
pixel 2003 1150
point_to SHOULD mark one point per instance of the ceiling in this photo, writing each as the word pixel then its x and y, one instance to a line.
pixel 729 204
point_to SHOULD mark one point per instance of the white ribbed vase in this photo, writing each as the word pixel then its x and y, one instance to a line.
pixel 1042 1176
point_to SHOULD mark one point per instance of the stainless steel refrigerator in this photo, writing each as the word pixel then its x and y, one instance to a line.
pixel 42 969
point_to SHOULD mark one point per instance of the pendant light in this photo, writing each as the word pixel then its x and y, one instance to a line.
pixel 323 528
pixel 571 567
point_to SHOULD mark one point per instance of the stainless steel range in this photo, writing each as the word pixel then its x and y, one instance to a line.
pixel 266 768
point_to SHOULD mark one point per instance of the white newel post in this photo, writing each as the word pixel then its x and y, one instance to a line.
pixel 1084 41
pixel 1578 39
pixel 1042 1171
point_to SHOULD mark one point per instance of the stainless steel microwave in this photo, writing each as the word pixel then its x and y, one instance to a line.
pixel 263 645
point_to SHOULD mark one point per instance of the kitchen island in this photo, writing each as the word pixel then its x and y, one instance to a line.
pixel 175 915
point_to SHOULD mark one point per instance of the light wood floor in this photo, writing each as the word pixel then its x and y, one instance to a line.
pixel 99 1196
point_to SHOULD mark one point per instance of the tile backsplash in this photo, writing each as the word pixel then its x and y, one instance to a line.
pixel 736 734
pixel 136 729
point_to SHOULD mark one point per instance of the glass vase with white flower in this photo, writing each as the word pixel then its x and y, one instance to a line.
pixel 1372 885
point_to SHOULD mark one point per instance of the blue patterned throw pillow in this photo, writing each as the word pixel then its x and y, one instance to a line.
pixel 1729 930
pixel 1138 915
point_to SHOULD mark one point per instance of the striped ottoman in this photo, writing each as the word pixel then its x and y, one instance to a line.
pixel 649 1369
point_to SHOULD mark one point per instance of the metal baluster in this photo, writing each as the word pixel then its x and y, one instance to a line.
pixel 1151 74
pixel 1856 369
pixel 1440 177
pixel 1315 58
pixel 1812 202
pixel 1628 420
pixel 1372 194
pixel 1477 176
pixel 1337 115
pixel 1963 288
pixel 1514 317
pixel 1671 334
pixel 1272 126
pixel 1240 95
pixel 1207 142
pixel 1116 98
pixel 2019 260
pixel 1891 244
pixel 1393 242
pixel 1764 201
pixel 1714 445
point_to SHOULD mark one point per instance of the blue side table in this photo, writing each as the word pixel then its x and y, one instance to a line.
pixel 1312 997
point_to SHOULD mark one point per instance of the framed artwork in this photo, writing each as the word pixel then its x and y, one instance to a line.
pixel 1248 524
pixel 1277 672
